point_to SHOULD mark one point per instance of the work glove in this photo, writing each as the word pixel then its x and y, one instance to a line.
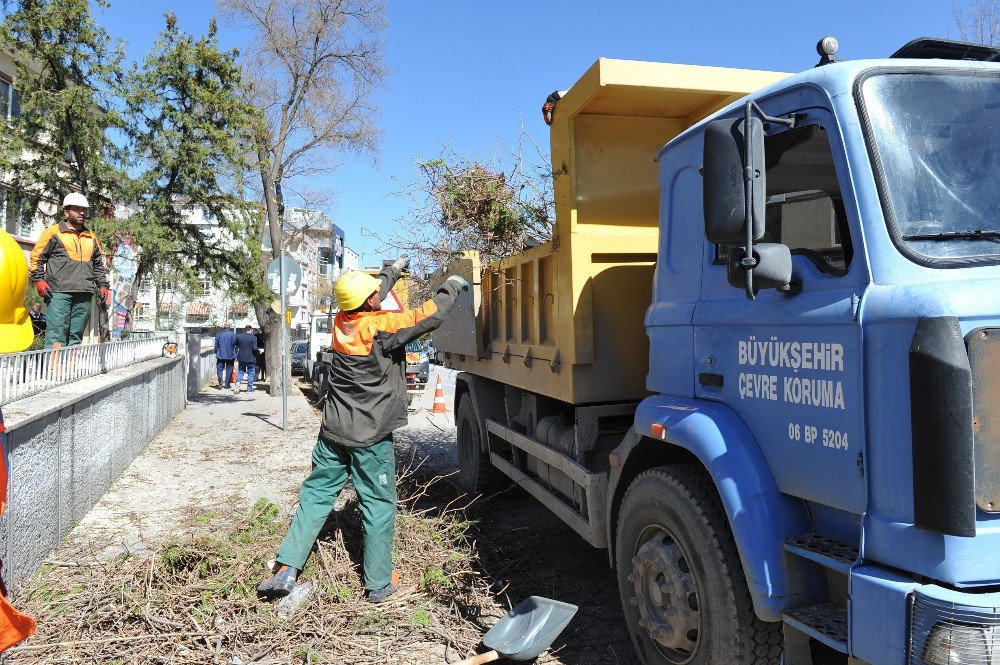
pixel 105 295
pixel 402 263
pixel 459 281
pixel 43 288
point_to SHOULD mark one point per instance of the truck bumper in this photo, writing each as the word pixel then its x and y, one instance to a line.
pixel 894 619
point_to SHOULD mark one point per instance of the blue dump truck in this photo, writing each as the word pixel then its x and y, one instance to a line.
pixel 759 360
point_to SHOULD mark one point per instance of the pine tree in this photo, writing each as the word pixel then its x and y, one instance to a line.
pixel 190 125
pixel 68 70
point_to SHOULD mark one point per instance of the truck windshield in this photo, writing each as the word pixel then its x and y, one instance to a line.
pixel 936 137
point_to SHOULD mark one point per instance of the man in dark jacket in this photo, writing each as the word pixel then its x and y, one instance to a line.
pixel 225 354
pixel 37 319
pixel 365 401
pixel 67 268
pixel 246 356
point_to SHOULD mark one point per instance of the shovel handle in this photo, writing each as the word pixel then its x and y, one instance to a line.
pixel 487 657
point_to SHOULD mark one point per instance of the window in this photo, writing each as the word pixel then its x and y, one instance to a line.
pixel 10 100
pixel 324 260
pixel 18 214
pixel 143 310
pixel 203 286
pixel 804 207
pixel 938 162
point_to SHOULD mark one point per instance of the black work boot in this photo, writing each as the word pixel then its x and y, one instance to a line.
pixel 280 585
pixel 381 595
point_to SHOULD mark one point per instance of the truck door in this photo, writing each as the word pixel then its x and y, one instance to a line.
pixel 791 364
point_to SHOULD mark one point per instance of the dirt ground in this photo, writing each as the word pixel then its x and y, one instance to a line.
pixel 164 568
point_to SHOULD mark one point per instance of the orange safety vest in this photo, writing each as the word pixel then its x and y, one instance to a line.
pixel 14 626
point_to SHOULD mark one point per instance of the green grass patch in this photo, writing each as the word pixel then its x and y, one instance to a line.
pixel 433 578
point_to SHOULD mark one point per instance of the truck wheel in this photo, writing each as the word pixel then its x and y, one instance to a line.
pixel 682 586
pixel 475 473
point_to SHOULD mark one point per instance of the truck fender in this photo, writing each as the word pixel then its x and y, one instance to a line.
pixel 760 517
pixel 487 401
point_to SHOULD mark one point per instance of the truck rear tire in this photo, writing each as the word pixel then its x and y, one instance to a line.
pixel 682 585
pixel 475 473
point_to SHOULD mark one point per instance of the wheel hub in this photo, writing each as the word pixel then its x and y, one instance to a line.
pixel 666 596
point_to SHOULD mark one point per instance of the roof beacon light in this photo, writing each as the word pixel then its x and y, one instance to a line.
pixel 549 107
pixel 827 49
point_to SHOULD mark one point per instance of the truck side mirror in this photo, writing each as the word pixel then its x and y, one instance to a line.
pixel 772 271
pixel 725 190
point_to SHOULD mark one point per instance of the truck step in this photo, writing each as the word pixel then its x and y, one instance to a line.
pixel 828 552
pixel 825 622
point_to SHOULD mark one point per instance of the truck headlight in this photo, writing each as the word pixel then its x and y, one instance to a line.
pixel 944 632
pixel 950 644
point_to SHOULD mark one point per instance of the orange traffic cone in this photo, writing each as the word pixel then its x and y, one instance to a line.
pixel 439 406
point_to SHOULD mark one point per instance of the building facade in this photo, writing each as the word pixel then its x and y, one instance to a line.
pixel 166 303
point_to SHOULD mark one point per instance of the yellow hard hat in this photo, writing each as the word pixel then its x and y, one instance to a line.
pixel 16 333
pixel 354 288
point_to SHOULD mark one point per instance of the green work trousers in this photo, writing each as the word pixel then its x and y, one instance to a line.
pixel 374 472
pixel 66 318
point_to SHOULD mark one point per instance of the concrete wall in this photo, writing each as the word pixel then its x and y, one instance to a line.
pixel 200 354
pixel 67 445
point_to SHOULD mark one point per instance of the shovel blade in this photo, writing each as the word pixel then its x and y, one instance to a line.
pixel 528 629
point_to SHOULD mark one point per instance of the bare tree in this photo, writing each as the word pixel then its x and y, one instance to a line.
pixel 312 68
pixel 979 22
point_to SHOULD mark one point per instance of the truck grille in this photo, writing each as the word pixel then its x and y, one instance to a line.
pixel 984 359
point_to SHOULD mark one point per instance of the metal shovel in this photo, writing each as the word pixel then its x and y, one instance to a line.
pixel 525 632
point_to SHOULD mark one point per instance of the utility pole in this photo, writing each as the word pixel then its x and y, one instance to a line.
pixel 284 333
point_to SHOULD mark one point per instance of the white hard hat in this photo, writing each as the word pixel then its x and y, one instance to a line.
pixel 75 199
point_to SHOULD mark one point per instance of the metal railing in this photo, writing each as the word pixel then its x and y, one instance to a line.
pixel 31 372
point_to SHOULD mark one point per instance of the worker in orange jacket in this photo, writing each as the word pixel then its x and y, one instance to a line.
pixel 67 267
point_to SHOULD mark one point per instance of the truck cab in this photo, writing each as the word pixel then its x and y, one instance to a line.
pixel 860 387
pixel 755 361
pixel 320 338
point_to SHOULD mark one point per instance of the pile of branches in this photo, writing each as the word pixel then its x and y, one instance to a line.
pixel 497 208
pixel 193 599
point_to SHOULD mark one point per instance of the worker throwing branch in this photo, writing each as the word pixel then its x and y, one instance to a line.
pixel 67 268
pixel 365 401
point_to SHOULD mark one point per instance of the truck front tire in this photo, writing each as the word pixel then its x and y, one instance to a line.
pixel 682 586
pixel 475 473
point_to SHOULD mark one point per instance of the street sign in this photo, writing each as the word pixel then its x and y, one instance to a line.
pixel 293 275
pixel 391 303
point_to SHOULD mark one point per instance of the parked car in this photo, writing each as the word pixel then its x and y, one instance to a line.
pixel 300 350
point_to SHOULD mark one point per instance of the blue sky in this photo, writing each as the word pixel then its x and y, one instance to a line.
pixel 469 73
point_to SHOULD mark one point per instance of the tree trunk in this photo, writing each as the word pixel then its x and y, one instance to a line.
pixel 270 328
pixel 270 323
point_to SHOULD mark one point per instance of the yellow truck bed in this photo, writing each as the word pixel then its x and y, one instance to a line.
pixel 565 319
